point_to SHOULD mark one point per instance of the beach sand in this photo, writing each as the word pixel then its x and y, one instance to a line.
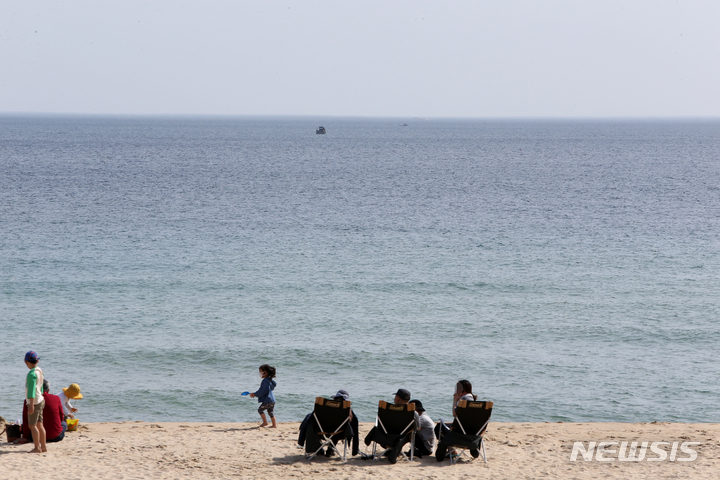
pixel 139 450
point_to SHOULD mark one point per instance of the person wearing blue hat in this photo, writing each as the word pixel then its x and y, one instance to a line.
pixel 311 438
pixel 354 425
pixel 35 401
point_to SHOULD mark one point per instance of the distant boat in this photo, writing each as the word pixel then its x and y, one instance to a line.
pixel 404 125
pixel 320 130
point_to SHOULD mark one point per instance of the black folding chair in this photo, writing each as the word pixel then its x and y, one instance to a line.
pixel 471 421
pixel 331 422
pixel 393 425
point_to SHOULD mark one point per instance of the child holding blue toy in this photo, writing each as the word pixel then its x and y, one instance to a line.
pixel 265 395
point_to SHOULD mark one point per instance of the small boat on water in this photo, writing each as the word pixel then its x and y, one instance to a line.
pixel 404 125
pixel 320 130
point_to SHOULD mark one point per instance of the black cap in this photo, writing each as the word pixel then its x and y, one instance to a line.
pixel 404 394
pixel 418 405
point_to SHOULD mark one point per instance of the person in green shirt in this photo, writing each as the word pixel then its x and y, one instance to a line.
pixel 35 401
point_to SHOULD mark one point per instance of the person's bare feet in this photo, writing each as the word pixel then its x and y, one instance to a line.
pixel 35 450
pixel 274 426
pixel 263 425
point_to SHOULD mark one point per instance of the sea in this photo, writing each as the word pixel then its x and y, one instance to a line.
pixel 569 269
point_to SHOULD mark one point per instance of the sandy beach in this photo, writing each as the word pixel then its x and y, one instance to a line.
pixel 140 450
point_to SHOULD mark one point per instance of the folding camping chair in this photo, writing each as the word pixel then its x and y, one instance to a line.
pixel 392 426
pixel 330 419
pixel 471 421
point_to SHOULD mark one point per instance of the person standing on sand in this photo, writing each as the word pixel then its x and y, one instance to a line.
pixel 265 395
pixel 35 401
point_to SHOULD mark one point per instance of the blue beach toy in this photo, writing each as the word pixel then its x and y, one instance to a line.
pixel 244 393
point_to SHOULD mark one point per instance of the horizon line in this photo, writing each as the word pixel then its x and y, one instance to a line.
pixel 334 116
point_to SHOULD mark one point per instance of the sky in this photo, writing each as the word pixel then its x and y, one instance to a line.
pixel 480 59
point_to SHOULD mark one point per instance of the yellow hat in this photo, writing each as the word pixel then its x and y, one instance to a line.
pixel 73 391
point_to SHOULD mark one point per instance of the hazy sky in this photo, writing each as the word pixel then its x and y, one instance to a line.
pixel 502 58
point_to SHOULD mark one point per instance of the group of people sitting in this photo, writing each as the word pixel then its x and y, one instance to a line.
pixel 55 412
pixel 427 432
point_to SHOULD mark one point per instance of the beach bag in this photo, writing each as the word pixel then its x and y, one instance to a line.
pixel 72 424
pixel 13 432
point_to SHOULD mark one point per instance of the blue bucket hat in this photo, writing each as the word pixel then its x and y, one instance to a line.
pixel 342 394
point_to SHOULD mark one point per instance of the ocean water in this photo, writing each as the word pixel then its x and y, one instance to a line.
pixel 568 269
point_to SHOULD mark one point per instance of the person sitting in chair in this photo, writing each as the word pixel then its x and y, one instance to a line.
pixel 312 440
pixel 463 391
pixel 402 397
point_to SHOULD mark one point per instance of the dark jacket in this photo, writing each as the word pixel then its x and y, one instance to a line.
pixel 310 439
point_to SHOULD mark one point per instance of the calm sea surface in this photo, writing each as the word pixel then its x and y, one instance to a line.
pixel 570 270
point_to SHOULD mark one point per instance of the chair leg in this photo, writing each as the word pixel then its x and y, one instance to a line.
pixel 328 443
pixel 412 446
pixel 312 455
pixel 375 454
pixel 331 444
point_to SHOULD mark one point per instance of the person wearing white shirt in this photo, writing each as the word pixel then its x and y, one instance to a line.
pixel 426 443
pixel 463 391
pixel 70 393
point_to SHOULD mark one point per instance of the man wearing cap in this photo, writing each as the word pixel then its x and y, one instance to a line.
pixel 426 431
pixel 402 397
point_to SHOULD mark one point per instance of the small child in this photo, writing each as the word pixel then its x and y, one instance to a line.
pixel 265 395
pixel 35 402
pixel 70 393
